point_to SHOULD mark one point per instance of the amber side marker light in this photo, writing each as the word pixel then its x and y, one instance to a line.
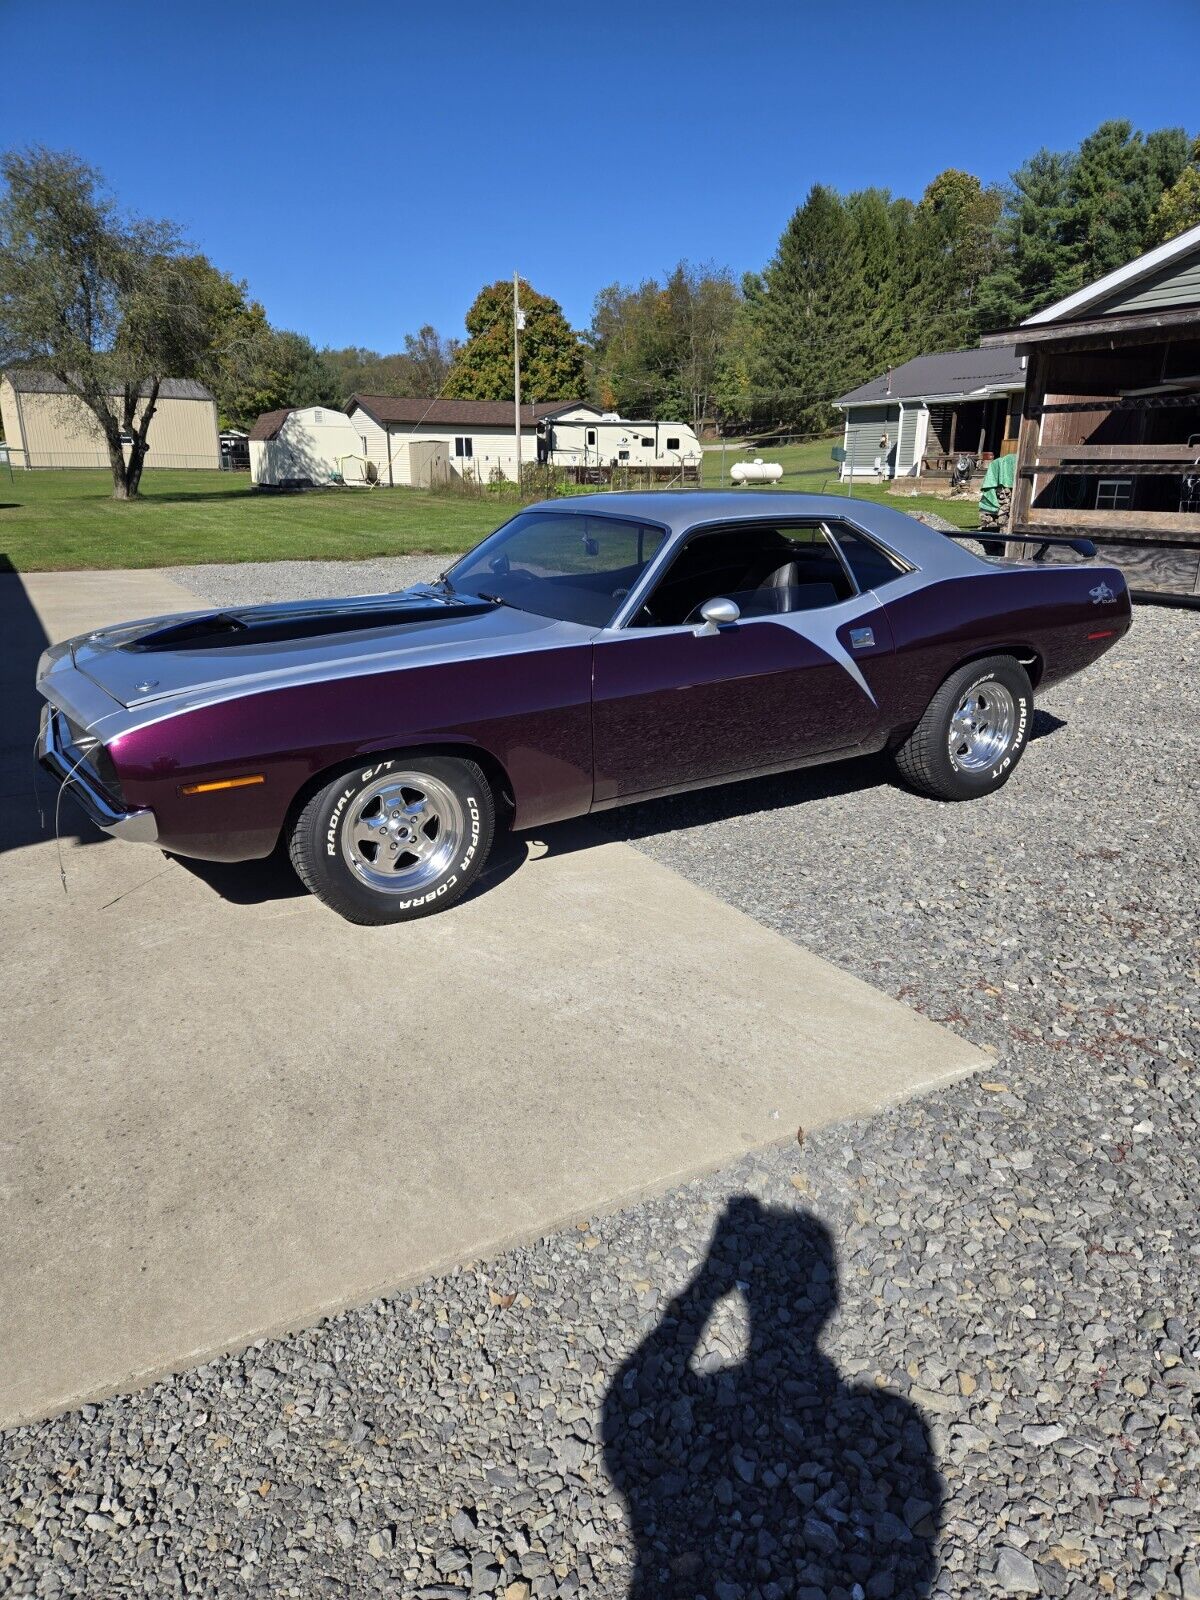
pixel 223 783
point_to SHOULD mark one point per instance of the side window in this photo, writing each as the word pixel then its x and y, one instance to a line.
pixel 464 447
pixel 871 566
pixel 766 569
pixel 647 444
pixel 591 436
pixel 672 444
pixel 622 455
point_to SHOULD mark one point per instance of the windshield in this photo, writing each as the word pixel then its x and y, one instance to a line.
pixel 559 564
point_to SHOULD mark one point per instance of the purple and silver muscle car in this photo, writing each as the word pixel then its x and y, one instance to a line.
pixel 592 651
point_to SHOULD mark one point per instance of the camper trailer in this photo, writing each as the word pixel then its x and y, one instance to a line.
pixel 584 437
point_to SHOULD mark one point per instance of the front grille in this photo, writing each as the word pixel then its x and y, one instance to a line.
pixel 86 748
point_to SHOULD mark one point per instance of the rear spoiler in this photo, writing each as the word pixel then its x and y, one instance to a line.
pixel 993 543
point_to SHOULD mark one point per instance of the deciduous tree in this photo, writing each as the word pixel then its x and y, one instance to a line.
pixel 551 354
pixel 109 304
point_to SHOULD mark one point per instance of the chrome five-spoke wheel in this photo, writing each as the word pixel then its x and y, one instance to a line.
pixel 981 726
pixel 403 832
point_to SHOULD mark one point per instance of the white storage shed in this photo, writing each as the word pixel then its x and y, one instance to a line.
pixel 308 444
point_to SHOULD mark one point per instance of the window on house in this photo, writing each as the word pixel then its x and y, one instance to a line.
pixel 464 447
pixel 672 444
pixel 318 416
pixel 591 436
pixel 1114 494
pixel 363 437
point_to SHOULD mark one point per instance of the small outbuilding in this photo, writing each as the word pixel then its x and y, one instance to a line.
pixel 917 420
pixel 45 425
pixel 1109 445
pixel 301 445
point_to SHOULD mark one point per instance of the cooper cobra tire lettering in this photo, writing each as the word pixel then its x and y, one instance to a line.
pixel 315 843
pixel 469 853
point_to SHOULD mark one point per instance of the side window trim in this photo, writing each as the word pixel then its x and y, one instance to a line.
pixel 832 541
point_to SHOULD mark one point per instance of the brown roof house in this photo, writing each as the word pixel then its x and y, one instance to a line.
pixel 416 441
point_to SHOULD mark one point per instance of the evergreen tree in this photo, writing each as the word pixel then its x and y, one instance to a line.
pixel 1116 182
pixel 802 341
pixel 1035 264
pixel 875 287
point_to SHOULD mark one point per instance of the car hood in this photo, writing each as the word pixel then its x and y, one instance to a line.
pixel 243 648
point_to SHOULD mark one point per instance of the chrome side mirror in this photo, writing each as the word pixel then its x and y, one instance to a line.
pixel 716 614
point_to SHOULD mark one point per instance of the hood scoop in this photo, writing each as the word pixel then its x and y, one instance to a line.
pixel 267 625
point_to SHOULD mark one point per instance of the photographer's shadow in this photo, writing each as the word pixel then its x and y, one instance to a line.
pixel 767 1474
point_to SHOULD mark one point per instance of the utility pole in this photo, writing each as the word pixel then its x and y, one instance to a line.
pixel 518 324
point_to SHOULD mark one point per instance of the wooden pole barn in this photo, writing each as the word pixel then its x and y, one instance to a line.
pixel 1109 441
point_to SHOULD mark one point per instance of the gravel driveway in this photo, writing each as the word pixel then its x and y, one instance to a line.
pixel 1004 1278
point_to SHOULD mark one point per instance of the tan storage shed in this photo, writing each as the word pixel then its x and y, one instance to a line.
pixel 46 426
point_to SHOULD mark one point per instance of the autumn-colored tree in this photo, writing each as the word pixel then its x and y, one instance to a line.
pixel 552 366
pixel 1179 207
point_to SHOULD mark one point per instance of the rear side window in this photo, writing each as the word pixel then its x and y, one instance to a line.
pixel 871 566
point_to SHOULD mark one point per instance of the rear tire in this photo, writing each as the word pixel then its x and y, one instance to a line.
pixel 396 838
pixel 973 732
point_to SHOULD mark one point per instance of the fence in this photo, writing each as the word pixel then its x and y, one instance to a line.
pixel 97 460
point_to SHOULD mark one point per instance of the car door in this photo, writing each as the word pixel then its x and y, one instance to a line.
pixel 674 708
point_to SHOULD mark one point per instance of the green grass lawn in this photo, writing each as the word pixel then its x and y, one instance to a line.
pixel 52 521
pixel 57 521
pixel 808 469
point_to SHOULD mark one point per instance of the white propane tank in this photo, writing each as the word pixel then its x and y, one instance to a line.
pixel 756 471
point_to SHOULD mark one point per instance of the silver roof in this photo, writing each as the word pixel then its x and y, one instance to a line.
pixel 946 374
pixel 680 510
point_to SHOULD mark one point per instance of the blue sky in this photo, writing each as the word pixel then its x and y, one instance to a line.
pixel 366 167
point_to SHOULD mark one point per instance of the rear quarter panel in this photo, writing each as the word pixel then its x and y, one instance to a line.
pixel 531 712
pixel 1060 614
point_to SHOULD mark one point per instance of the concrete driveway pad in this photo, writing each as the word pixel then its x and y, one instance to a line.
pixel 224 1111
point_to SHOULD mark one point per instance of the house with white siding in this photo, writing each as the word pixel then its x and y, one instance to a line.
pixel 916 420
pixel 415 441
pixel 477 437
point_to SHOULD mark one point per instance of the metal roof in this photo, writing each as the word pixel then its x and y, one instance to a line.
pixel 948 375
pixel 28 381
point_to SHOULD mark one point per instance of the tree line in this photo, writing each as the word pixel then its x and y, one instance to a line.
pixel 864 281
pixel 858 282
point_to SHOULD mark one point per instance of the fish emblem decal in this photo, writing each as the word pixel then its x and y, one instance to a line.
pixel 1101 593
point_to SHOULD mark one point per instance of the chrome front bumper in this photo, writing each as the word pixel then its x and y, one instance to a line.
pixel 59 756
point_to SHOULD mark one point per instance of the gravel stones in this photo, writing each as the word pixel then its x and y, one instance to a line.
pixel 1007 1366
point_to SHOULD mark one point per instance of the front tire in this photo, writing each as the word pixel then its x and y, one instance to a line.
pixel 973 733
pixel 396 838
